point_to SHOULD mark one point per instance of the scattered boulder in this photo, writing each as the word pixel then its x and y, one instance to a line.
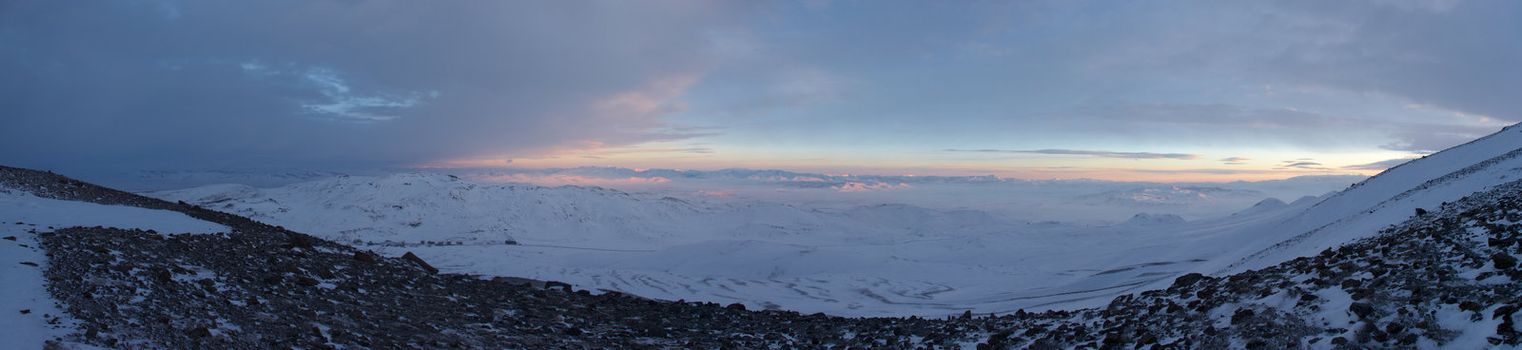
pixel 1503 261
pixel 1187 279
pixel 562 286
pixel 419 261
pixel 366 257
pixel 198 332
pixel 1361 309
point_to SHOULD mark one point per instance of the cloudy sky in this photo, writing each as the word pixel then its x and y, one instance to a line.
pixel 1155 90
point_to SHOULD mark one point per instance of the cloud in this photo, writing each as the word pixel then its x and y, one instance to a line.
pixel 567 179
pixel 342 84
pixel 1325 76
pixel 378 83
pixel 1238 125
pixel 1234 160
pixel 1100 154
pixel 1211 171
pixel 1380 165
pixel 1301 164
pixel 1458 58
pixel 1432 139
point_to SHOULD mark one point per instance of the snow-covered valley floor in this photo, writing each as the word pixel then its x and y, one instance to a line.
pixel 875 260
pixel 866 260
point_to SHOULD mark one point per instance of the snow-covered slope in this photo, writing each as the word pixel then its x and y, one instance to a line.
pixel 27 313
pixel 1383 200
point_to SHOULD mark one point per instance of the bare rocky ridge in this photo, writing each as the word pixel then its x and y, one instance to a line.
pixel 1448 276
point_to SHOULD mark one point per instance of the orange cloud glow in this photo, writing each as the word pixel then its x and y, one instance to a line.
pixel 560 180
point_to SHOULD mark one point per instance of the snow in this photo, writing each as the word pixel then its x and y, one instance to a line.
pixel 858 260
pixel 22 287
pixel 1386 199
pixel 1473 327
pixel 1154 219
pixel 1081 201
pixel 868 260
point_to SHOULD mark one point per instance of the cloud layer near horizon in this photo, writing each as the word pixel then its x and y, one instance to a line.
pixel 1075 152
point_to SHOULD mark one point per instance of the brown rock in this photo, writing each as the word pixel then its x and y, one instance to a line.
pixel 420 263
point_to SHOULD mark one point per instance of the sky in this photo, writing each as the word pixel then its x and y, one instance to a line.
pixel 1115 90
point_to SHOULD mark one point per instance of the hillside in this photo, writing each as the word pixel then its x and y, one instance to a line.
pixel 1385 199
pixel 1441 279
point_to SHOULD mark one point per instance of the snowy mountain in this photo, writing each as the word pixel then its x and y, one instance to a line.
pixel 1384 200
pixel 1268 233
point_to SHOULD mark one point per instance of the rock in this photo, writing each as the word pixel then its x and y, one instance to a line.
pixel 198 332
pixel 1187 279
pixel 1361 309
pixel 297 240
pixel 419 261
pixel 513 281
pixel 562 286
pixel 162 275
pixel 1409 339
pixel 1505 310
pixel 1113 339
pixel 365 257
pixel 736 307
pixel 1503 261
pixel 9 238
pixel 1241 316
pixel 307 281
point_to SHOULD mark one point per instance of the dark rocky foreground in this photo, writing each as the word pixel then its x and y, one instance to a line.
pixel 1417 284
